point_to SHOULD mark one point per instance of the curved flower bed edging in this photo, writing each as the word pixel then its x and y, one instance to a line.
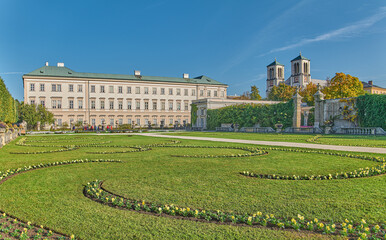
pixel 71 148
pixel 22 141
pixel 128 151
pixel 252 151
pixel 362 172
pixel 94 191
pixel 40 230
pixel 315 139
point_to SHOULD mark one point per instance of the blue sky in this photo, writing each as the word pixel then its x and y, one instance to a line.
pixel 230 41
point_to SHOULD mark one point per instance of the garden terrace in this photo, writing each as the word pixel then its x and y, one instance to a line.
pixel 199 175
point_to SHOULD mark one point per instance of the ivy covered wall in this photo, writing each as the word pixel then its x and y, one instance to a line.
pixel 371 110
pixel 247 115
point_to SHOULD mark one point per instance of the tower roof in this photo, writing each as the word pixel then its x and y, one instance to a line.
pixel 274 63
pixel 300 57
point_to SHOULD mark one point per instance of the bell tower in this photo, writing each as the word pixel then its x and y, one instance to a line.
pixel 300 71
pixel 275 74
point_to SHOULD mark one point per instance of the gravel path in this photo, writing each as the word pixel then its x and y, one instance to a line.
pixel 271 143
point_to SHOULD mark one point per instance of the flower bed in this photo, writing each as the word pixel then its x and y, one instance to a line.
pixel 362 172
pixel 95 191
pixel 252 151
pixel 16 229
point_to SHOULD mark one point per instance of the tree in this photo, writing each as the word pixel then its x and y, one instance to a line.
pixel 29 114
pixel 282 92
pixel 32 115
pixel 308 93
pixel 255 94
pixel 343 86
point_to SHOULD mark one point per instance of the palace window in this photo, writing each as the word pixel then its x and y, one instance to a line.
pixel 102 104
pixel 111 89
pixel 42 87
pixel 71 104
pixel 137 90
pixel 111 104
pixel 70 88
pixel 92 104
pixel 162 91
pixel 146 105
pixel 119 89
pixel 102 89
pixel 129 104
pixel 80 104
pixel 129 90
pixel 32 87
pixel 146 90
pixel 92 88
pixel 120 105
pixel 80 88
pixel 154 91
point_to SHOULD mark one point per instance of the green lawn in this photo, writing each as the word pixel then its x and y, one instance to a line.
pixel 346 140
pixel 53 196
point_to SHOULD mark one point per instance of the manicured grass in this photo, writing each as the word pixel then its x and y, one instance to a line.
pixel 346 140
pixel 53 196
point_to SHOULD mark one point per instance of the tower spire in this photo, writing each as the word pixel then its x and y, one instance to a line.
pixel 300 53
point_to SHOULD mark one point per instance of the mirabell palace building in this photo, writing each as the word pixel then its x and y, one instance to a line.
pixel 114 99
pixel 300 74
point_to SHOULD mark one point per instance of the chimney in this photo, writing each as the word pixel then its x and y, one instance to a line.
pixel 370 82
pixel 137 73
pixel 60 64
pixel 46 63
pixel 185 75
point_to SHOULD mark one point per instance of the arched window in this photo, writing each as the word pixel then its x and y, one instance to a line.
pixel 305 68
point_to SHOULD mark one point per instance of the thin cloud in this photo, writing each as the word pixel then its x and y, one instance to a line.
pixel 9 73
pixel 347 31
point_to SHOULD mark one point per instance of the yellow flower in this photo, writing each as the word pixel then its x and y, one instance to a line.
pixel 321 225
pixel 28 223
pixel 333 225
pixel 250 219
pixel 376 227
pixel 347 221
pixel 259 213
pixel 349 226
pixel 72 236
pixel 271 216
pixel 293 220
pixel 300 217
pixel 363 221
pixel 143 202
pixel 41 226
pixel 367 229
pixel 344 229
pixel 25 229
pixel 188 209
pixel 344 224
pixel 233 217
pixel 316 220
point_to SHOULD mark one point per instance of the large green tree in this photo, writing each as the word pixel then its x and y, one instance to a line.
pixel 33 114
pixel 282 92
pixel 343 86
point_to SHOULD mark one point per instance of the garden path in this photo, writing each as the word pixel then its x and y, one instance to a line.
pixel 272 143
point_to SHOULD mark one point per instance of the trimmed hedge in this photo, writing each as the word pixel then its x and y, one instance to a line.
pixel 247 115
pixel 8 112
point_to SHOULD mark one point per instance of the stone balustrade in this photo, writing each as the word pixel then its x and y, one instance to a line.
pixel 257 129
pixel 7 136
pixel 361 131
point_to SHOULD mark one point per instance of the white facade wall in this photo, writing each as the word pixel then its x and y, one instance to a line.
pixel 89 115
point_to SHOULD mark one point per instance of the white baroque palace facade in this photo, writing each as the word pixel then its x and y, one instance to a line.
pixel 300 74
pixel 114 99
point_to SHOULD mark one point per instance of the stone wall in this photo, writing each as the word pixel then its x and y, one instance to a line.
pixel 8 136
pixel 331 109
